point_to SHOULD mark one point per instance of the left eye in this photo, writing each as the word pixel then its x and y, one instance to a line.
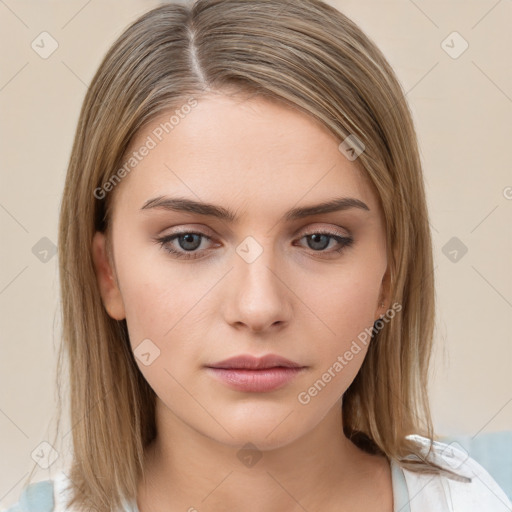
pixel 320 241
pixel 189 243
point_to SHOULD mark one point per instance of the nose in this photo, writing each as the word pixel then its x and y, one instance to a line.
pixel 257 297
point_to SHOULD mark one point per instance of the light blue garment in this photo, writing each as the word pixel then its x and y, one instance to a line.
pixel 400 492
pixel 493 450
pixel 36 497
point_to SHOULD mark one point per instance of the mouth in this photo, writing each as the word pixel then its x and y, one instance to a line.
pixel 255 374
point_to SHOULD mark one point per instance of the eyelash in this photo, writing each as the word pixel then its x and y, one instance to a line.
pixel 164 241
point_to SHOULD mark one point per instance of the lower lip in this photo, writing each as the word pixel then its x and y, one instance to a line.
pixel 256 381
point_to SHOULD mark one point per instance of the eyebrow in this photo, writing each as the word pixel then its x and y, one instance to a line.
pixel 181 204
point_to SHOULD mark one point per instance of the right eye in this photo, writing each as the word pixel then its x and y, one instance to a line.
pixel 187 244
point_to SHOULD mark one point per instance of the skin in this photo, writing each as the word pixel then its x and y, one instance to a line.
pixel 258 159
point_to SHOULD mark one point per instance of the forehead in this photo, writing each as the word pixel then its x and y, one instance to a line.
pixel 241 151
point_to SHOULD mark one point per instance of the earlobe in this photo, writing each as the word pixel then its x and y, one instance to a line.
pixel 109 290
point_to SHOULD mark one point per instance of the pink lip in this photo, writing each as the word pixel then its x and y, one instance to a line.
pixel 248 362
pixel 256 381
pixel 255 374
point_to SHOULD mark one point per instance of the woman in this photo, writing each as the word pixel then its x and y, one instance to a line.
pixel 246 275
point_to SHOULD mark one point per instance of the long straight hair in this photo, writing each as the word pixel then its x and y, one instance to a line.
pixel 312 58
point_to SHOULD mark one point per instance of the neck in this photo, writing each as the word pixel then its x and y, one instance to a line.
pixel 322 470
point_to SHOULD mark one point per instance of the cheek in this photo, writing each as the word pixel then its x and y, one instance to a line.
pixel 158 303
pixel 343 303
pixel 165 302
pixel 343 313
pixel 162 322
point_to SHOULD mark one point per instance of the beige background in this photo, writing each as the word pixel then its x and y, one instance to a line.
pixel 462 108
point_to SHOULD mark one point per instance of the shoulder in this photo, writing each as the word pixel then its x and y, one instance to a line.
pixel 36 497
pixel 43 496
pixel 463 484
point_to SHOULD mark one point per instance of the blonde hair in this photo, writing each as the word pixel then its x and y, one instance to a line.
pixel 310 57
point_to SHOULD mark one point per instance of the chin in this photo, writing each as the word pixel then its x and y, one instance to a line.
pixel 265 435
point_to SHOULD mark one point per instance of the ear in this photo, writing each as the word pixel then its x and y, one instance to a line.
pixel 384 294
pixel 105 275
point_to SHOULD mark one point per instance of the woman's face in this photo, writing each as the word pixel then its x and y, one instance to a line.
pixel 258 273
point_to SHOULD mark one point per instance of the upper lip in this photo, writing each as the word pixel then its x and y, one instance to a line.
pixel 249 362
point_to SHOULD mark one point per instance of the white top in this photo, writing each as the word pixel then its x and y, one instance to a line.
pixel 474 490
